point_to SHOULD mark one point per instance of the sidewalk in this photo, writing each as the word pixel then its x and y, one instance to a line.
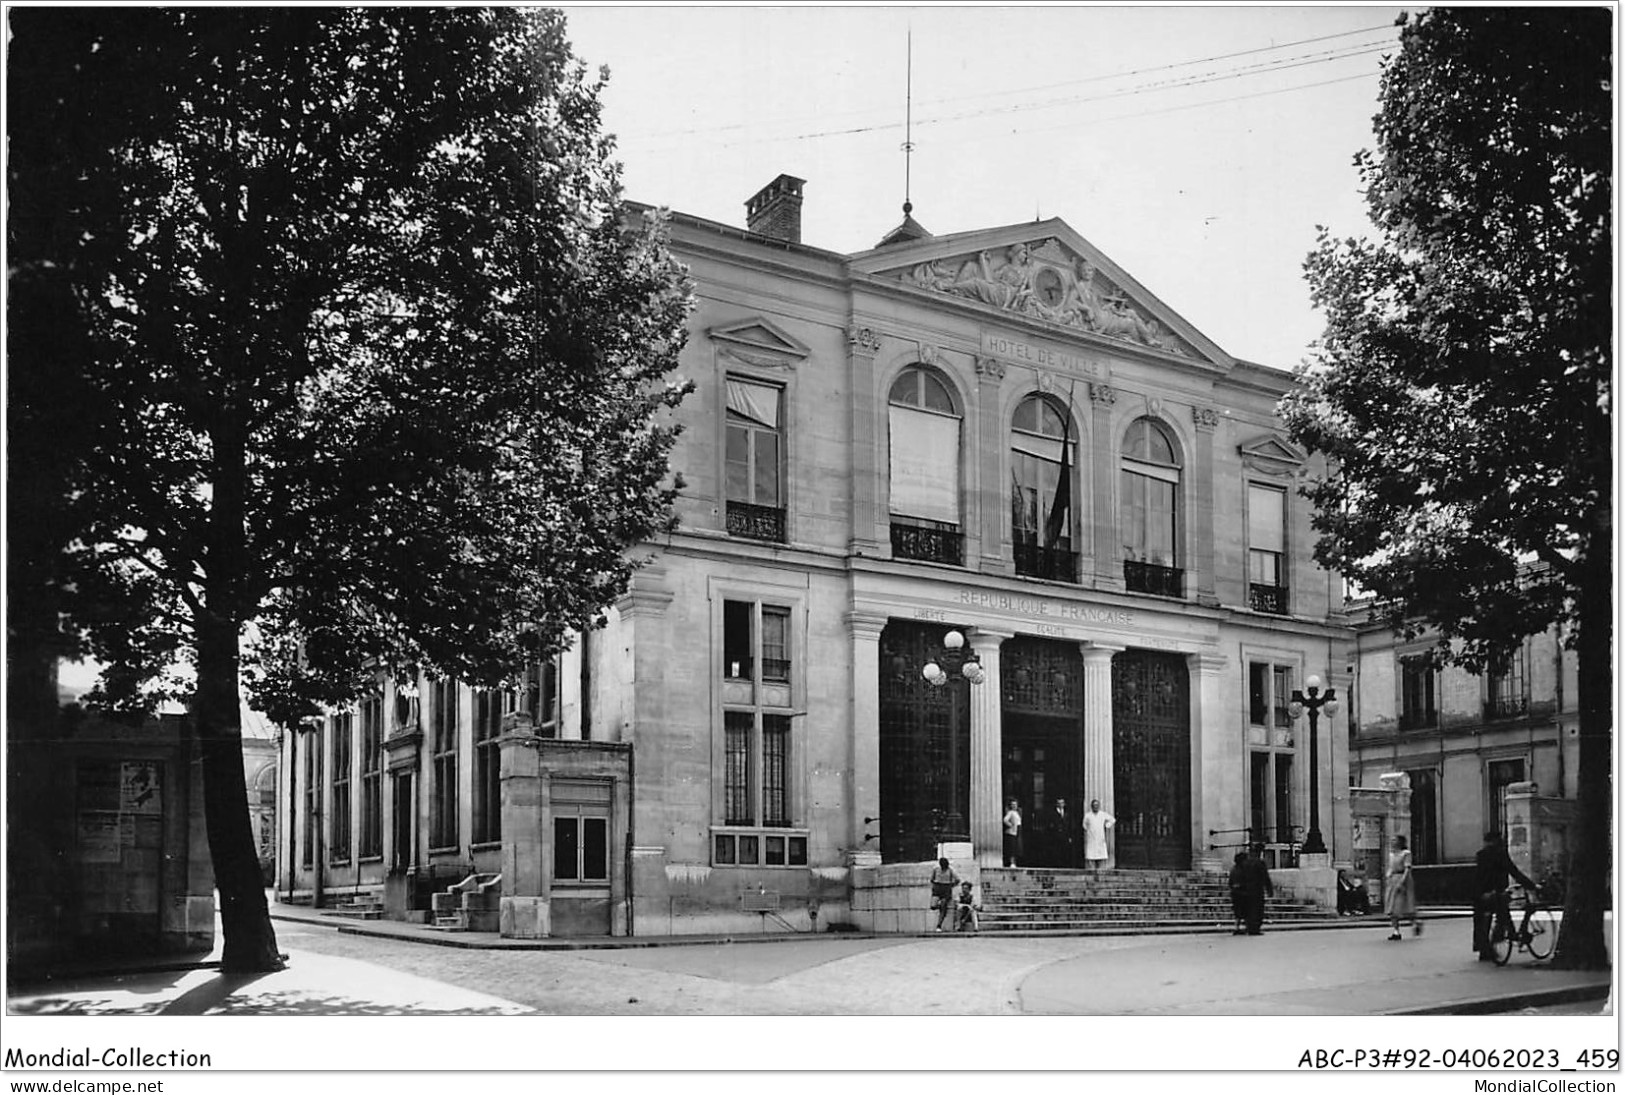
pixel 347 967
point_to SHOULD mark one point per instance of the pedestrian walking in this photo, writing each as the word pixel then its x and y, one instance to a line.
pixel 1012 834
pixel 1491 868
pixel 1096 824
pixel 1256 888
pixel 1399 898
pixel 943 882
pixel 966 919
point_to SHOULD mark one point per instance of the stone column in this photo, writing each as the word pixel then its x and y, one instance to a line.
pixel 988 446
pixel 1097 727
pixel 1103 468
pixel 1201 496
pixel 987 751
pixel 863 791
pixel 1217 773
pixel 523 910
pixel 868 462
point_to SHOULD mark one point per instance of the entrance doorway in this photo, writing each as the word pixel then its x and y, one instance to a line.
pixel 1151 759
pixel 1042 734
pixel 924 748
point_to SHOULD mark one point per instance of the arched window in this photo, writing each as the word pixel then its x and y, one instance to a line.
pixel 925 441
pixel 1150 519
pixel 1043 446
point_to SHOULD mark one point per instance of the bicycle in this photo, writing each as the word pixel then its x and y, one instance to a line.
pixel 1536 932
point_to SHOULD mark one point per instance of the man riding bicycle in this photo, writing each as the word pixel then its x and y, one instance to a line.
pixel 1492 909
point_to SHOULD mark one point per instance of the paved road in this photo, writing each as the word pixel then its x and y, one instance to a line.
pixel 1351 971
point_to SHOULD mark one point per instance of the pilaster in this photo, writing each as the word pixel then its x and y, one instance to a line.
pixel 1214 767
pixel 1103 472
pixel 863 794
pixel 993 513
pixel 867 459
pixel 1097 728
pixel 643 614
pixel 1201 496
pixel 987 750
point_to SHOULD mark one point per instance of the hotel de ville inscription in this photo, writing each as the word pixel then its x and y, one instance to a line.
pixel 1018 352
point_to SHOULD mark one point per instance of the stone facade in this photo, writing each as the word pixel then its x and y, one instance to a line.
pixel 875 458
pixel 1463 739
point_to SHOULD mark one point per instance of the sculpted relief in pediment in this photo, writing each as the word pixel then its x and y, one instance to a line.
pixel 1047 283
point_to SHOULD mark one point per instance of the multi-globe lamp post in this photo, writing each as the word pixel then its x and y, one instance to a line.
pixel 1313 698
pixel 954 661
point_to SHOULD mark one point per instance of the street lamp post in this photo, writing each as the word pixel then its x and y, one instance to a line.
pixel 953 661
pixel 1312 699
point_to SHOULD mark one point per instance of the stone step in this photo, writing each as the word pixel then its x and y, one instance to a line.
pixel 1057 900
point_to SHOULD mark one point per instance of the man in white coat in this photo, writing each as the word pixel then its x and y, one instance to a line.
pixel 1096 823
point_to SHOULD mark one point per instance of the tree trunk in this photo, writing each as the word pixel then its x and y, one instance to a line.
pixel 1581 943
pixel 250 941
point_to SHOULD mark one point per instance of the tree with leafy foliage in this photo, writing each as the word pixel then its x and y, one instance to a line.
pixel 360 342
pixel 1462 388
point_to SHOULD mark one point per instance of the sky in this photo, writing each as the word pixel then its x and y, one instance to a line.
pixel 1199 147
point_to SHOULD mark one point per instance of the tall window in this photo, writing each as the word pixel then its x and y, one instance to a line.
pixel 1501 774
pixel 443 756
pixel 488 710
pixel 757 785
pixel 1271 812
pixel 1042 450
pixel 372 774
pixel 1424 814
pixel 313 798
pixel 925 443
pixel 339 821
pixel 1508 694
pixel 1150 519
pixel 1266 548
pixel 1417 710
pixel 753 457
pixel 541 697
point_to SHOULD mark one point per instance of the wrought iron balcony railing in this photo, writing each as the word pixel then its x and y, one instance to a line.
pixel 931 543
pixel 1267 599
pixel 756 522
pixel 1153 578
pixel 1054 564
pixel 1506 707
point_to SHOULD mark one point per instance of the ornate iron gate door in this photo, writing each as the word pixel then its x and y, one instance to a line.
pixel 924 748
pixel 1151 759
pixel 1042 734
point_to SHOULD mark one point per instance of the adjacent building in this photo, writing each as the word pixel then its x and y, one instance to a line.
pixel 1480 751
pixel 995 448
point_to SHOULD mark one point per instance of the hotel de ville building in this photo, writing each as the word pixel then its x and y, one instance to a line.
pixel 968 519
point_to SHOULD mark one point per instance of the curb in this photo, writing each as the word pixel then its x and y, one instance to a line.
pixel 1495 1005
pixel 485 941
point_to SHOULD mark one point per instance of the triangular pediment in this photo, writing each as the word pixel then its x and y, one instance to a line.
pixel 759 336
pixel 1046 273
pixel 1273 453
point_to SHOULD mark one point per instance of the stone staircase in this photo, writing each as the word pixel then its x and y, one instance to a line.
pixel 1055 900
pixel 361 905
pixel 474 904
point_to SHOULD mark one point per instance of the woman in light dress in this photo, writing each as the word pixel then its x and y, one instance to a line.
pixel 1400 891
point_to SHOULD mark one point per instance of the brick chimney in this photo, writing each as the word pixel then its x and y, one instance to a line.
pixel 775 211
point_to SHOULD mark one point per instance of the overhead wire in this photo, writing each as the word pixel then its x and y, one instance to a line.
pixel 1197 81
pixel 1279 64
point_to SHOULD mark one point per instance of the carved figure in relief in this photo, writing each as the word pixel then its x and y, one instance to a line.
pixel 1007 285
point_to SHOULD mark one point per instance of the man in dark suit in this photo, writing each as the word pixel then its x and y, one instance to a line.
pixel 1059 835
pixel 1491 867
